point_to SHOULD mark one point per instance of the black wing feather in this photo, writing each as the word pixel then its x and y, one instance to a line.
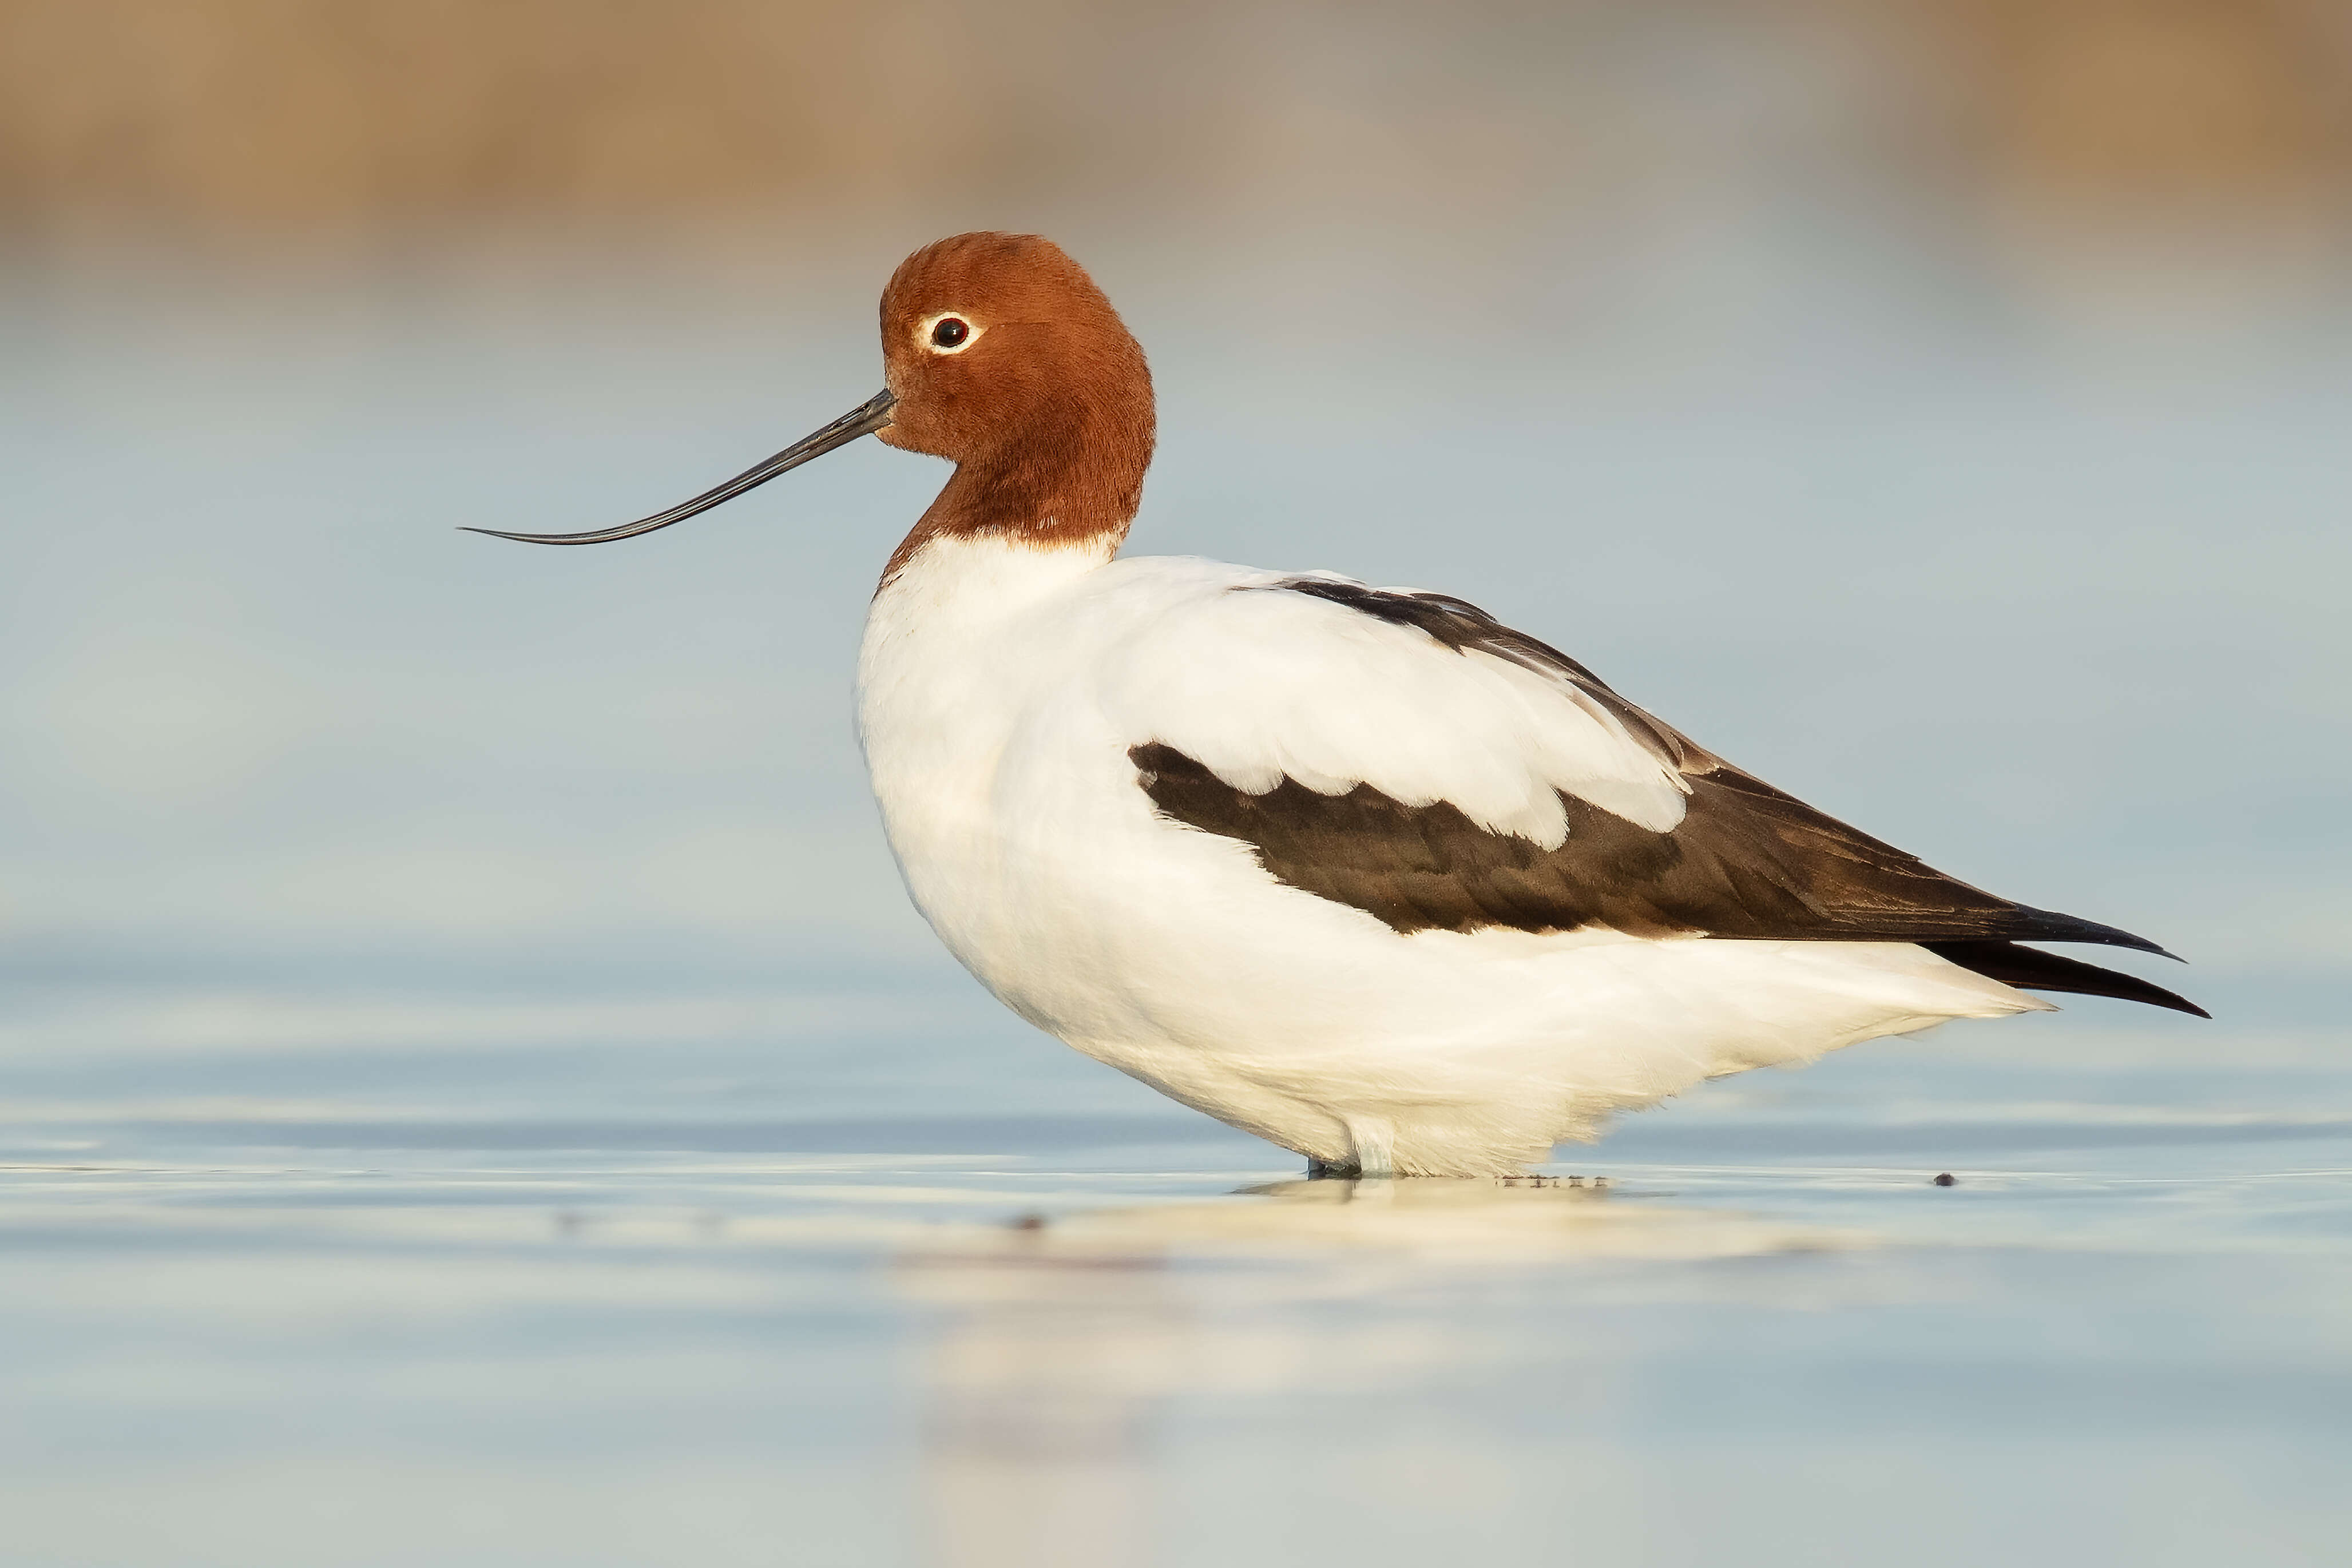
pixel 2029 969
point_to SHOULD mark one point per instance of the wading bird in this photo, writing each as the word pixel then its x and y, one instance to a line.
pixel 1358 870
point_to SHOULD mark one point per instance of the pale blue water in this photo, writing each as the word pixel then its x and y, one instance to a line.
pixel 471 1091
pixel 391 1324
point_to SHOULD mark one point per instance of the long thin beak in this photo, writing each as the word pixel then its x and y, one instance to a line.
pixel 862 420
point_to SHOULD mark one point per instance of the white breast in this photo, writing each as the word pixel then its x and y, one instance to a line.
pixel 1005 786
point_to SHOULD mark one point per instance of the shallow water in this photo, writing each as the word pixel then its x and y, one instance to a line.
pixel 382 1324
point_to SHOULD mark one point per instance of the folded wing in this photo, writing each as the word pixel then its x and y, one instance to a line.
pixel 1407 755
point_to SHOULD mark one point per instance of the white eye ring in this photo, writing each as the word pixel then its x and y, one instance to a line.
pixel 930 324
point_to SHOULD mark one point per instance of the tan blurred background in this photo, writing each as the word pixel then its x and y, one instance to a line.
pixel 253 118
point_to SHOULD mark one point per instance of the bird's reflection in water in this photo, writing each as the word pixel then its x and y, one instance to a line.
pixel 1061 1343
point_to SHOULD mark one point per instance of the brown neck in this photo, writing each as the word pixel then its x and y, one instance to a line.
pixel 1076 488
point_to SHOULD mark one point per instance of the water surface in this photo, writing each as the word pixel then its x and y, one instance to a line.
pixel 380 1324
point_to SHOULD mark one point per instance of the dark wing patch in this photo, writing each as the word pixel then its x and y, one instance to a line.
pixel 1747 862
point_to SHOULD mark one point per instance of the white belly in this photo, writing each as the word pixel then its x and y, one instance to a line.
pixel 1001 770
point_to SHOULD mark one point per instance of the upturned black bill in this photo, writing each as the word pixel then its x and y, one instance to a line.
pixel 862 420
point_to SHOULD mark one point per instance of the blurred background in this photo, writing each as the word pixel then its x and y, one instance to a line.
pixel 1937 406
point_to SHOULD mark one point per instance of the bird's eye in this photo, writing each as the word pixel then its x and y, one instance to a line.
pixel 950 332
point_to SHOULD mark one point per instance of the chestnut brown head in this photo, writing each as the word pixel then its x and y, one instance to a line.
pixel 990 340
pixel 1001 355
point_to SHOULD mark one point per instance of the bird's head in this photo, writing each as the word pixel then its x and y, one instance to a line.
pixel 1000 354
